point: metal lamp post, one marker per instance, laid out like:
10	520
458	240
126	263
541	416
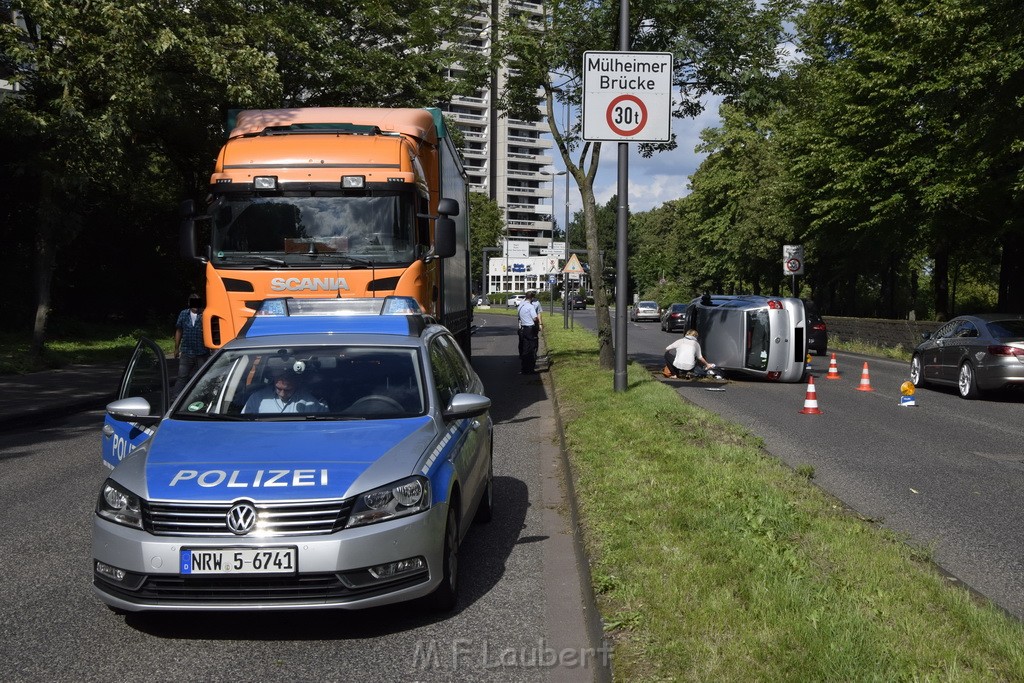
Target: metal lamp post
565	276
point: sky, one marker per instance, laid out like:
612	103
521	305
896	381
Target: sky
653	181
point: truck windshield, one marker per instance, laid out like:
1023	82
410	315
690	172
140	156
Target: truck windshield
302	231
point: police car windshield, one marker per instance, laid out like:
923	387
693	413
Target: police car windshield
329	382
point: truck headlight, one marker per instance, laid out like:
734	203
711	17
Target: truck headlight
119	505
405	497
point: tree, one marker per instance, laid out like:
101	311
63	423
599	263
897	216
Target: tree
914	143
722	46
119	98
657	250
486	226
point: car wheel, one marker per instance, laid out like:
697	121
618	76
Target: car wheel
915	371
966	383
446	595
485	511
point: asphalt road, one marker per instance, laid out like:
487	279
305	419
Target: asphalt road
520	615
948	474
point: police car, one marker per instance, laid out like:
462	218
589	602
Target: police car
332	456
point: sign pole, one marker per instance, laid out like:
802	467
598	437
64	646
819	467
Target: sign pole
627	97
621	262
793	263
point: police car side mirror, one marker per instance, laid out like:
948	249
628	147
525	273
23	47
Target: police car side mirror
466	405
134	409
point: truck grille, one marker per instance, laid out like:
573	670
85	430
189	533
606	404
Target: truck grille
275	519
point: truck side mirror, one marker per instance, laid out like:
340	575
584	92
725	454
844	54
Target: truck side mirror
187	242
444	237
448	207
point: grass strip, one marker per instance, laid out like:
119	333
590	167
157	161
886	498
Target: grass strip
85	344
712	560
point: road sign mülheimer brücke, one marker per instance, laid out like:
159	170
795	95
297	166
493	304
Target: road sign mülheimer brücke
627	96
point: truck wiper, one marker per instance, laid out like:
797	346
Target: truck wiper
333	255
258	257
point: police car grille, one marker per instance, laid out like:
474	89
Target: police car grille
275	519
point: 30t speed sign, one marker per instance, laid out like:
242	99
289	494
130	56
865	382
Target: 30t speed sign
793	259
627	96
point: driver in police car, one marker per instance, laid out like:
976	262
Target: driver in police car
284	395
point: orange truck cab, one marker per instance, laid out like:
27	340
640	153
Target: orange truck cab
334	203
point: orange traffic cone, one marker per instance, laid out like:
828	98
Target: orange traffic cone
865	379
811	402
833	369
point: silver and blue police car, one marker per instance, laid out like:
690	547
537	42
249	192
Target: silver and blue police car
332	456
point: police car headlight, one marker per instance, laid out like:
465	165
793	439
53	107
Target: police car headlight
405	497
119	506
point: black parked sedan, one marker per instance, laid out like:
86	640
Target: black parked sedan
817	332
974	353
673	318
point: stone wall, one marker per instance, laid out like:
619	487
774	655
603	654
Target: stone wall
880	332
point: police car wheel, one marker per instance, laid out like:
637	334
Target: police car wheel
446	595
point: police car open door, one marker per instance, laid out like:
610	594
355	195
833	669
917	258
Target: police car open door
144	385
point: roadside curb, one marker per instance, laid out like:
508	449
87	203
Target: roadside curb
592	616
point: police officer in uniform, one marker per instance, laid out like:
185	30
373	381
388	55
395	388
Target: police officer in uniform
529	335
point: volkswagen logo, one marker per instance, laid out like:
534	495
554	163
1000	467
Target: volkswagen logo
241	518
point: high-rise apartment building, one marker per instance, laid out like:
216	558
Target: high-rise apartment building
506	158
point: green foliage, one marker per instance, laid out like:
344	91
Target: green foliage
121	108
486	226
78	343
906	148
888	151
719	47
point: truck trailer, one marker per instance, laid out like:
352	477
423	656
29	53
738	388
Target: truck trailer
334	202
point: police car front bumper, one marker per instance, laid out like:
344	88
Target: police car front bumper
356	568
